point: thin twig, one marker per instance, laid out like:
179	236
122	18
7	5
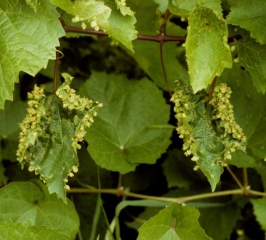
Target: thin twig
163	33
56	69
157	38
245	178
235	178
164	199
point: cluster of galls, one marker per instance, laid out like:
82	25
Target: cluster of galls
183	109
86	110
223	113
30	125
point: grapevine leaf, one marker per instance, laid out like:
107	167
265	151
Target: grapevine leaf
26	202
259	206
10	118
224	216
11	231
200	138
183	8
55	156
210	147
101	16
207	49
28	40
252	56
33	4
251	15
51	132
162	5
127	131
175	222
178	170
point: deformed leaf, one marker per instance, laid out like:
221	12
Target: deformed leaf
252	56
259	206
102	16
26	202
207	50
183	7
27	41
51	132
200	138
128	129
175	222
11	231
251	15
219	221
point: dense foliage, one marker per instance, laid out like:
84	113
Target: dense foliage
129	119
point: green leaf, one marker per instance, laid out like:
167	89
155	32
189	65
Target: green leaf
51	132
210	147
52	155
10	231
33	4
26	202
207	49
162	5
128	128
102	16
10	118
259	206
252	56
183	8
201	139
27	41
251	15
220	221
175	222
178	170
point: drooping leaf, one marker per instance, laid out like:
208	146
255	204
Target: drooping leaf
51	132
11	231
175	222
10	118
259	206
27	41
178	170
252	56
220	221
26	202
251	15
207	50
183	8
102	16
200	138
127	130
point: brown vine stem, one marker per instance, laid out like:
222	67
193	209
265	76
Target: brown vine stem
235	178
56	69
163	33
157	38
